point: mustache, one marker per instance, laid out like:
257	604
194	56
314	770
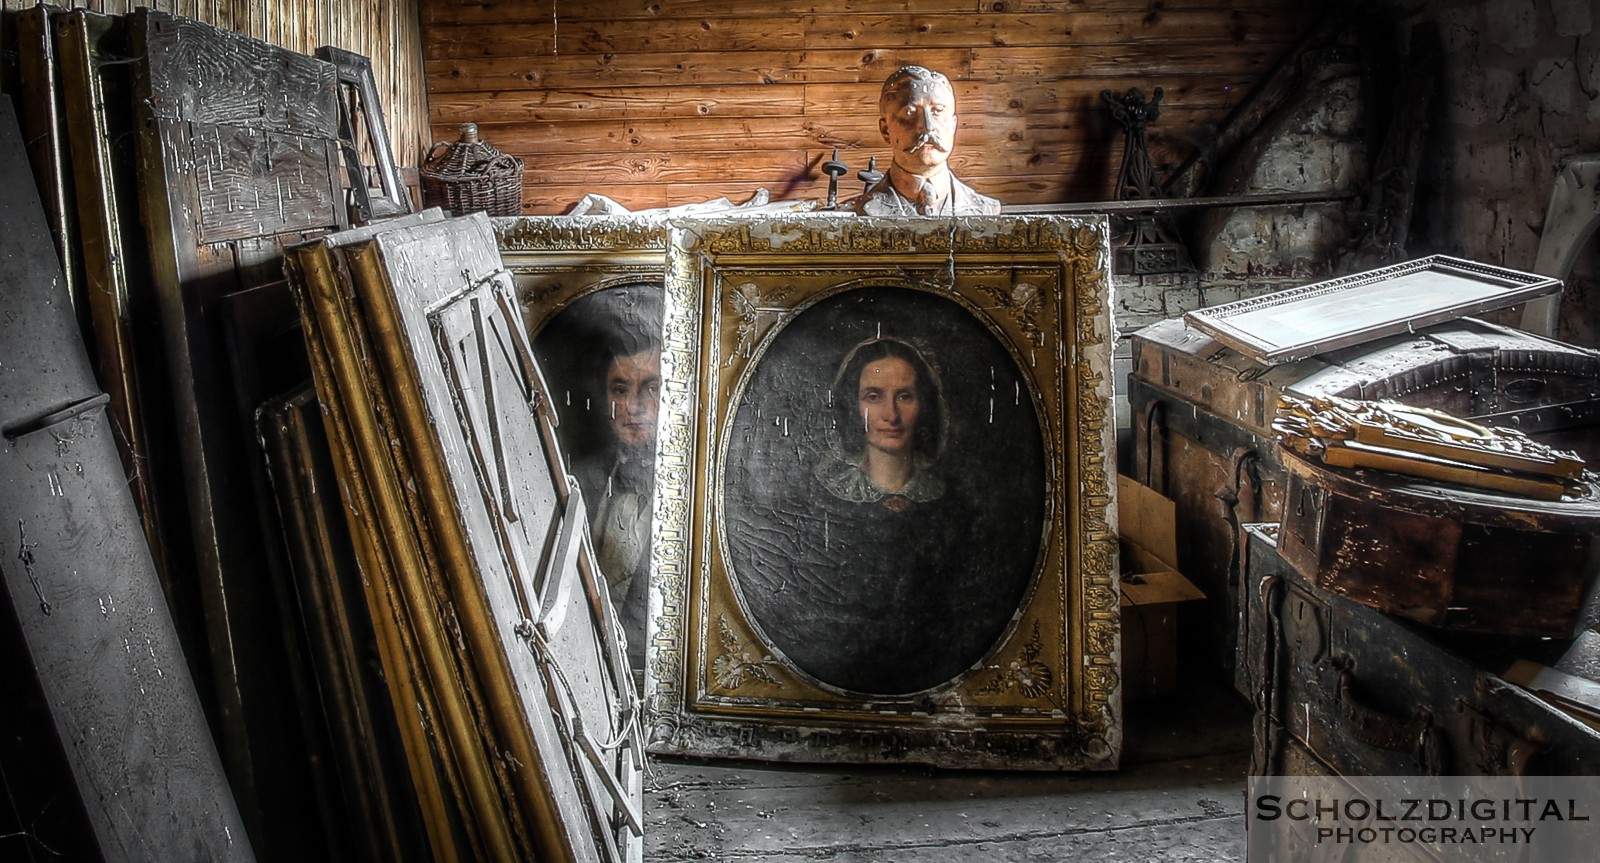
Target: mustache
928	139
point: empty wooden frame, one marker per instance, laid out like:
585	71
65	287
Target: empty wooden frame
376	190
1308	320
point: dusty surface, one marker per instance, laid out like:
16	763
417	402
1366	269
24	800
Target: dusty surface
1179	797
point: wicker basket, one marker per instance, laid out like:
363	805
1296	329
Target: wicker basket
469	176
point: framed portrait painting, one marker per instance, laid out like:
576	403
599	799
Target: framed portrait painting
884	523
589	289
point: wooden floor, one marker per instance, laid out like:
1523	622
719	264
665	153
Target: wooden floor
1178	797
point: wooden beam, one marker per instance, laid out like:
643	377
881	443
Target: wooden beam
621	102
1277	84
444	12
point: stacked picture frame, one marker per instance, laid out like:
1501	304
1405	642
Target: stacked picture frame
502	655
971	621
590	291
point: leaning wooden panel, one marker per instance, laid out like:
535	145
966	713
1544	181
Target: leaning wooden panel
885	529
78	583
237	154
525	595
119	297
590	290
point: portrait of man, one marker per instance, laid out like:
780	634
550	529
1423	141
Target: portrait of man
917	118
602	355
879	547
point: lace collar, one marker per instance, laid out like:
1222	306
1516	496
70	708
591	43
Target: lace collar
846	481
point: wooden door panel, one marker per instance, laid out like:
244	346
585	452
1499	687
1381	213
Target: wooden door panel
216	76
517	487
253	183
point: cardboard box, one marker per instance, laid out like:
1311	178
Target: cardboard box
1152	589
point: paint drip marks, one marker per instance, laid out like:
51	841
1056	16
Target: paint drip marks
25	555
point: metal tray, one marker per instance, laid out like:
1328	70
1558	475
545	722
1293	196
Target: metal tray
1308	320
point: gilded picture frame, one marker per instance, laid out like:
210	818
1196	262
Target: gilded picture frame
805	608
590	291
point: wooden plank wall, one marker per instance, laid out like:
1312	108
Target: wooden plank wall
387	31
659	102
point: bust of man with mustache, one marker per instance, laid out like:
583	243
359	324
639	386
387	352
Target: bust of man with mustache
917	116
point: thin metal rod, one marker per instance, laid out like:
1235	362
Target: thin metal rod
1152	205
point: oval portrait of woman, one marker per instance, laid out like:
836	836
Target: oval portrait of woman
883	493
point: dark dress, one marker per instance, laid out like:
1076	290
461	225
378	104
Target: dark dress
867	591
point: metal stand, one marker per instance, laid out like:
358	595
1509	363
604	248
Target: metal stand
834	169
1150	244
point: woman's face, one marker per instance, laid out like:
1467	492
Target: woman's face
888	404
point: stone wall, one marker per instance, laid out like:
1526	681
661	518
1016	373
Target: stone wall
1521	91
1316	142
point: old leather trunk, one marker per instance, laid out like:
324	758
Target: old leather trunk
1440	554
1202	414
1371	694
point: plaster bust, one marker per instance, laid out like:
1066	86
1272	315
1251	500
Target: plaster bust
917	117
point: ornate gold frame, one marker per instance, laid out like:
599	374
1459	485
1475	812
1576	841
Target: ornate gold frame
1040	285
556	260
557	264
328	587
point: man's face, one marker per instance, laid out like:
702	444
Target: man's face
633	393
919	122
